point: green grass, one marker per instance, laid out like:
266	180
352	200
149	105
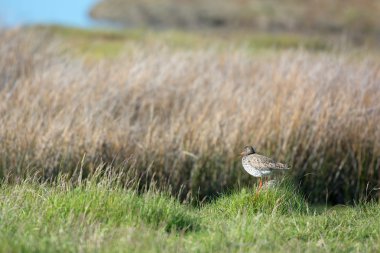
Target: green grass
100	44
283	199
104	217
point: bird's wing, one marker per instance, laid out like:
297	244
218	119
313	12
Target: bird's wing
265	163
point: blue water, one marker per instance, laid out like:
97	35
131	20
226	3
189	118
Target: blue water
62	12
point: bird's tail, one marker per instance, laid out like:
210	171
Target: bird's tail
282	166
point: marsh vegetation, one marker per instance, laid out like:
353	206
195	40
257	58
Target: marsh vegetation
129	140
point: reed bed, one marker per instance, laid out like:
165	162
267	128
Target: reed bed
180	118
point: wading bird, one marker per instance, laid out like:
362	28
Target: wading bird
259	165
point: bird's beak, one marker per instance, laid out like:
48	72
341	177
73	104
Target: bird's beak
242	154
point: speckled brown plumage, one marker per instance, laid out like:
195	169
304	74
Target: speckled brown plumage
259	165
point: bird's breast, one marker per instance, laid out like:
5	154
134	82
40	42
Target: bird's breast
251	169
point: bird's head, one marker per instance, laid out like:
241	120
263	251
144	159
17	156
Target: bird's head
248	150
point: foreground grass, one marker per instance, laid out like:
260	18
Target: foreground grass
105	218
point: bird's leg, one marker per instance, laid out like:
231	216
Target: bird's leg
267	179
259	188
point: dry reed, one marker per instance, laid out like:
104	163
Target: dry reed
183	117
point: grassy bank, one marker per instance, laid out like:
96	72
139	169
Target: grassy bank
182	116
101	216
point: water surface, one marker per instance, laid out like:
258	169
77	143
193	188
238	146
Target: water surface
61	12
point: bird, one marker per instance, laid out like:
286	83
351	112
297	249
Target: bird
258	165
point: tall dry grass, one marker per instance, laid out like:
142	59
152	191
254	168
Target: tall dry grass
183	117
